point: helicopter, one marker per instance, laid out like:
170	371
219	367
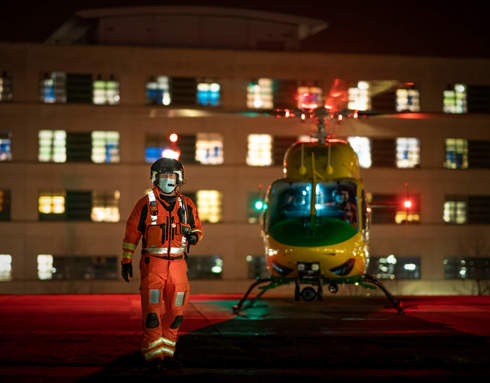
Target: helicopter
315	220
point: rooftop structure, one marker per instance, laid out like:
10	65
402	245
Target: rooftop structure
187	27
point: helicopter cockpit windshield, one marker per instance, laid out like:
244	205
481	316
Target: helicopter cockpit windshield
333	200
337	200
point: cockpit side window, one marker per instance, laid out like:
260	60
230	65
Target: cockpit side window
337	200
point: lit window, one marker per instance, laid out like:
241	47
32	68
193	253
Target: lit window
393	267
105	206
392	208
257	267
208	93
106	92
105	146
455	212
4	205
407	152
45	267
154	146
5	267
53	88
209	205
455	99
5	147
477	268
407	100
158	91
260	94
51	203
171	153
456	153
153	154
209	148
359	98
408	210
309	97
403	216
205	267
5	87
159	146
362	147
81	268
52	146
259	150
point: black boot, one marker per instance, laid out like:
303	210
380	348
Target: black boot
171	362
156	364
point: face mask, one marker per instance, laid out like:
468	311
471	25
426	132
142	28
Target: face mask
167	185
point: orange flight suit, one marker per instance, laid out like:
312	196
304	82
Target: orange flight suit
164	285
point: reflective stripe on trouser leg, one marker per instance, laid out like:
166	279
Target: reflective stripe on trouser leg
157	348
161	350
175	300
152	344
170	343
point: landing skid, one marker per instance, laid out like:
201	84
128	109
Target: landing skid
239	306
365	280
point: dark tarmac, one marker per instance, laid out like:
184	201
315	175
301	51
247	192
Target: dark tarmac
88	338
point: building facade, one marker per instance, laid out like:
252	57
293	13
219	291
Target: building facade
80	125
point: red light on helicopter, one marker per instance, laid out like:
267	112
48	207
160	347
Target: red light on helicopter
407	204
174	137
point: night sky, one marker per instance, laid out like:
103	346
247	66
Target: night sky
426	28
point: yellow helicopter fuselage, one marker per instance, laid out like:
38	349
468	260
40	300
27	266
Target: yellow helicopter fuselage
317	214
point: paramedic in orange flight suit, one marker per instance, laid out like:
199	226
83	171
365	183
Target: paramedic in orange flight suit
168	222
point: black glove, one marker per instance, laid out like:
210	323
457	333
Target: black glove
192	238
127	271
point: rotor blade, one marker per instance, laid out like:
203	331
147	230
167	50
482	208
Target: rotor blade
381	86
337	96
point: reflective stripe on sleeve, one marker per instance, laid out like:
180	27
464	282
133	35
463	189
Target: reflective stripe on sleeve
127	254
151	198
185	210
128	246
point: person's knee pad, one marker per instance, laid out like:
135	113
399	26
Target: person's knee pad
152	320
177	322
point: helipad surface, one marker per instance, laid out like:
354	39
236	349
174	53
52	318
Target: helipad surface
66	338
